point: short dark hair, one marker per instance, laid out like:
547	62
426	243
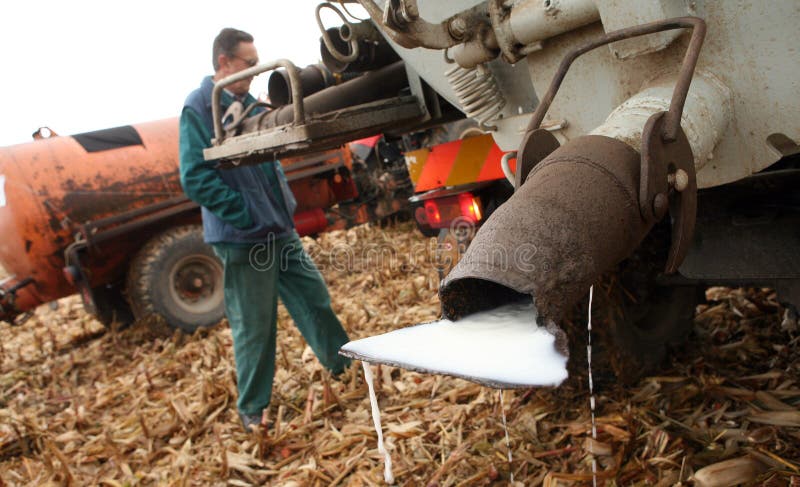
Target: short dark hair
226	42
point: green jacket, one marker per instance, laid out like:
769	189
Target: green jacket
246	204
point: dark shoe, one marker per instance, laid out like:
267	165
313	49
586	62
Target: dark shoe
249	421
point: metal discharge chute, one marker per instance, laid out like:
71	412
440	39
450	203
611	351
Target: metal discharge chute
581	208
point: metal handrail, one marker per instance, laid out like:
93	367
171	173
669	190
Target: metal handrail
673	120
294	85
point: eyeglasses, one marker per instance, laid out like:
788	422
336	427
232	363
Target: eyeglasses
249	62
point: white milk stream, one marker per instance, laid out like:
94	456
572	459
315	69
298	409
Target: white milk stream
591	391
508	440
376	418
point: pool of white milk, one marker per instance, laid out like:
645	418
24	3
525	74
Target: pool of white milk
501	348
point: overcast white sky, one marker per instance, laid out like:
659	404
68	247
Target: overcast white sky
82	65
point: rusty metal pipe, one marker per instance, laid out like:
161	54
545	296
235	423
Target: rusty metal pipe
575	216
91	227
376	85
536	20
8	297
313	78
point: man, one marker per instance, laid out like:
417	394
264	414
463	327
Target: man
247	218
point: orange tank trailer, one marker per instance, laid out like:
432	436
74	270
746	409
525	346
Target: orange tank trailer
54	186
100	196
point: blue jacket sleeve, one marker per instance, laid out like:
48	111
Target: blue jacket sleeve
201	181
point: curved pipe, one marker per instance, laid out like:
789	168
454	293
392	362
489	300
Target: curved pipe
533	21
313	78
575	217
704	120
375	85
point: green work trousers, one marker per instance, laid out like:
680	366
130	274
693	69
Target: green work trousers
255	276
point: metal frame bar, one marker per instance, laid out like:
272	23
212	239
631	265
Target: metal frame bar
311	161
305	173
294	84
131	214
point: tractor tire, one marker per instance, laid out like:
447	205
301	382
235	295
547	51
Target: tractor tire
647	316
450	247
641	337
632	330
638	316
111	308
176	276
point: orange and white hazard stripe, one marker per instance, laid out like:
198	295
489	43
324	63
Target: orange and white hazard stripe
455	163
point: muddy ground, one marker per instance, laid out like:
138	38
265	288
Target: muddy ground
82	405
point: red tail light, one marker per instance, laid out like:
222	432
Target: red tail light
470	207
432	213
441	212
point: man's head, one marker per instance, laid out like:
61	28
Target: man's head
234	51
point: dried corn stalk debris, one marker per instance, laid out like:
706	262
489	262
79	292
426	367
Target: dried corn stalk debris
81	405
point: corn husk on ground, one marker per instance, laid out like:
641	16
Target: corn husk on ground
81	405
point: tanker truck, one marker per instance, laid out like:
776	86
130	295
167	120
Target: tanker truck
655	147
103	214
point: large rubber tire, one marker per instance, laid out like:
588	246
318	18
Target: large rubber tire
646	330
646	316
638	315
425	229
177	277
111	307
632	330
451	244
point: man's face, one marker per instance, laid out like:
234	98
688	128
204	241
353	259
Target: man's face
246	56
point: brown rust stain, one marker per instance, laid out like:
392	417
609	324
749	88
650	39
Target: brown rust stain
85	202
